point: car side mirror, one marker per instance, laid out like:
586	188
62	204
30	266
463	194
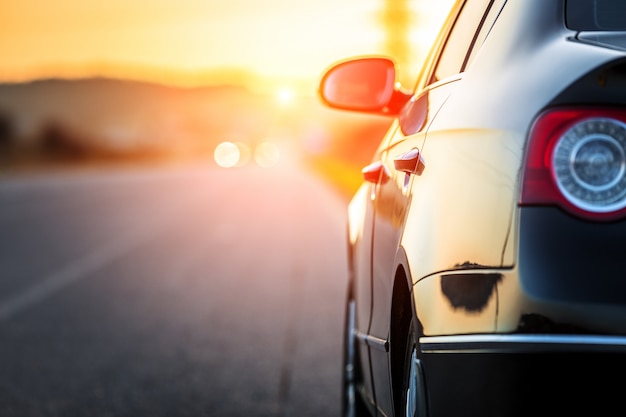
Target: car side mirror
361	84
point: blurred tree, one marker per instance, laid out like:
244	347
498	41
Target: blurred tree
56	140
7	142
6	130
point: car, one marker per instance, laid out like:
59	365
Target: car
487	242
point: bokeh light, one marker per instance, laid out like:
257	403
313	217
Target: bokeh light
226	154
266	154
245	153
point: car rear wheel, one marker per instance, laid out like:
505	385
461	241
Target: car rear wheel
413	386
352	404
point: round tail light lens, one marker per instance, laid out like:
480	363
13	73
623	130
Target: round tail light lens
576	159
589	163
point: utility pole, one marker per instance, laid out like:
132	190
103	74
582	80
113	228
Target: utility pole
396	20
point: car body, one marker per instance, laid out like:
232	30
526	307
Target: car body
487	244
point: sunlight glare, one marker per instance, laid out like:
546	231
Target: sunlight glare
285	96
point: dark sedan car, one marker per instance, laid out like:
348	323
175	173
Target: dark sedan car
487	244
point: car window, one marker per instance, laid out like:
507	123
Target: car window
429	63
490	19
463	36
594	15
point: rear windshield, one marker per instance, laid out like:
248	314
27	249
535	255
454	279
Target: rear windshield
593	15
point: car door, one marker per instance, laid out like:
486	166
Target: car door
468	24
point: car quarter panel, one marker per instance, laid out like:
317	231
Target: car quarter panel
462	214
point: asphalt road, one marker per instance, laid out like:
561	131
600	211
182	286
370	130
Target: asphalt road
172	291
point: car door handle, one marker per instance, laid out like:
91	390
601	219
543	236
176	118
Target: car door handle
410	162
376	171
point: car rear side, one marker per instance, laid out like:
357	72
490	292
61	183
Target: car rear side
488	244
529	151
540	318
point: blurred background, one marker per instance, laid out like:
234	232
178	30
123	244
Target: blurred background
173	201
144	80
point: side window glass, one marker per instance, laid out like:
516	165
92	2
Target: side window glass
461	39
490	20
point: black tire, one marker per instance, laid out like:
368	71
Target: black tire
413	394
351	401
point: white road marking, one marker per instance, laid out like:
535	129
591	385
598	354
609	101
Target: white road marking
85	266
75	271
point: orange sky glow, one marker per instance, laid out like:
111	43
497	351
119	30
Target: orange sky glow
194	42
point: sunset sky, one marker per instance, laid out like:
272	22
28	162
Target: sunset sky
195	41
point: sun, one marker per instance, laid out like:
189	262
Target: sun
285	96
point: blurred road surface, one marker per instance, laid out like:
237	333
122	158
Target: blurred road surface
180	291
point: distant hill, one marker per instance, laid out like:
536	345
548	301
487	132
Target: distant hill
119	117
119	114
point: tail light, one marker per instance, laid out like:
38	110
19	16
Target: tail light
576	159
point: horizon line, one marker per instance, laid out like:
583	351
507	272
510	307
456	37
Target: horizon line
182	78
